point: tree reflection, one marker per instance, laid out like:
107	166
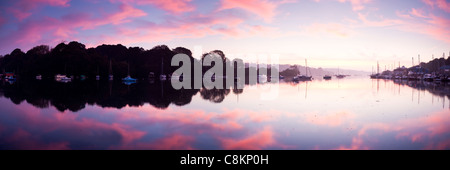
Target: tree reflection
441	89
214	95
76	95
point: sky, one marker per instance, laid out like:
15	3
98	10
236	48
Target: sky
351	34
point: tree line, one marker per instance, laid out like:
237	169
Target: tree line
75	59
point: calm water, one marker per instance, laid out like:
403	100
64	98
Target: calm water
350	113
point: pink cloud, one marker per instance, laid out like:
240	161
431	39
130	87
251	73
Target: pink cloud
22	9
425	130
31	4
126	12
439	28
88	128
441	4
357	5
333	120
25	140
186	27
259	140
50	29
418	13
172	6
444	5
172	142
333	29
53	30
62	3
2	21
196	122
441	25
382	22
128	136
263	8
195	26
175	142
19	14
357	144
67	126
427	24
403	15
252	116
441	145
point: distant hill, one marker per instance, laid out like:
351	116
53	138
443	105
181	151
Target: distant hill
347	72
319	71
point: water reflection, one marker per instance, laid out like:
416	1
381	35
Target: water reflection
356	113
214	95
76	95
440	89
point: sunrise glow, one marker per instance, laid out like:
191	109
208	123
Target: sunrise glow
352	34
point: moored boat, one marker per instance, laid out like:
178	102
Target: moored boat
129	79
428	77
62	78
303	77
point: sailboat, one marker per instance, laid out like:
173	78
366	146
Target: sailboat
10	77
110	77
339	76
373	75
162	76
128	80
97	77
327	77
63	78
303	77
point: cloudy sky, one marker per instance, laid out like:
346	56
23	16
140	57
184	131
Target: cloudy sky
352	34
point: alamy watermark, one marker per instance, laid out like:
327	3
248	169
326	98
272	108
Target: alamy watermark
223	73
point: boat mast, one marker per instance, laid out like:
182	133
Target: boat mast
306	68
419	59
162	66
378	67
110	67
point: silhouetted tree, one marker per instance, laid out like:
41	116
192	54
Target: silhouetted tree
39	50
182	50
214	95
